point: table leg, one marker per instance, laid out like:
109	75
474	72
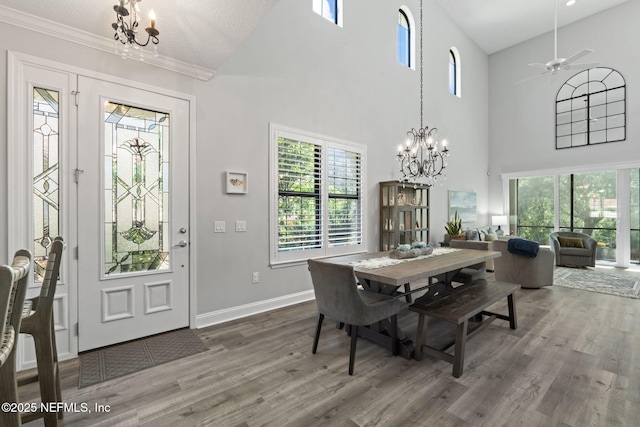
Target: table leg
461	342
513	321
417	351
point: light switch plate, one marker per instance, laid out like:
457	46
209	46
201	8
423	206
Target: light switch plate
219	227
241	225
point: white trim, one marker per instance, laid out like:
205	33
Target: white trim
238	312
570	170
55	29
16	117
294	257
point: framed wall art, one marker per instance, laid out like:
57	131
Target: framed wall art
237	182
464	202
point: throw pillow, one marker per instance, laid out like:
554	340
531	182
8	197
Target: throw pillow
490	237
571	242
472	234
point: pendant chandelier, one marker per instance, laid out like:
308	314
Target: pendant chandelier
422	158
126	30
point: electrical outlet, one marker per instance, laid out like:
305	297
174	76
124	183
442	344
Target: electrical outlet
255	277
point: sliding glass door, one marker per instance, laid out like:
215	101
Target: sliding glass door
602	204
532	208
588	205
634	202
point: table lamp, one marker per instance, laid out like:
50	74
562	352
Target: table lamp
499	220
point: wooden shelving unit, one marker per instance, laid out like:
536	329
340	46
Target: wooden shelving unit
404	214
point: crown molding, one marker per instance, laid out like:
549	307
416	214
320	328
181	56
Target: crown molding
50	28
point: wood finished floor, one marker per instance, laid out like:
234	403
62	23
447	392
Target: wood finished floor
573	361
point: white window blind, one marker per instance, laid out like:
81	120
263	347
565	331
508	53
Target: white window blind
317	196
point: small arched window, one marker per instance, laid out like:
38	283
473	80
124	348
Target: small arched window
329	9
404	39
454	72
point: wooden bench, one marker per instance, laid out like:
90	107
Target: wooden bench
458	306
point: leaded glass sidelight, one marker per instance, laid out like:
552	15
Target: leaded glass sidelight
46	191
136	190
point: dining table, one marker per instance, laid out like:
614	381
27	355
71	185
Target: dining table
430	274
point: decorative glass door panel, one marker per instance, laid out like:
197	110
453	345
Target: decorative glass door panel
133	214
46	193
136	189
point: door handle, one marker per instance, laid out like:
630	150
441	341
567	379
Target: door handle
181	244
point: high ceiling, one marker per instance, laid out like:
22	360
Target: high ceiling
497	24
205	32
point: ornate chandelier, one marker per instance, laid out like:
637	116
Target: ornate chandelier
421	157
126	30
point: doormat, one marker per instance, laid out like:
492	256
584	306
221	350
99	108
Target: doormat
594	280
122	359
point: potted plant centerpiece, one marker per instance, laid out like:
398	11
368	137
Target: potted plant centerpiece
454	229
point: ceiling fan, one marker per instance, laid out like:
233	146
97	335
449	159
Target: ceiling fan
556	64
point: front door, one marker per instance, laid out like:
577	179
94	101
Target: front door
133	212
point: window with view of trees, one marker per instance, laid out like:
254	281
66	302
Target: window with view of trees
586	203
533	204
317	196
634	200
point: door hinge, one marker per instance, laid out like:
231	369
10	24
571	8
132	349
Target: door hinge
76	174
75	253
75	329
76	93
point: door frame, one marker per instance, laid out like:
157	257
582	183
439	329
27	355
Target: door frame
19	184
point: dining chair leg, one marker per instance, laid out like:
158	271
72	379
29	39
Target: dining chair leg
56	370
46	376
352	353
317	337
9	391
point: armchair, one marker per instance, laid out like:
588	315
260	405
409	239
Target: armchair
524	271
573	249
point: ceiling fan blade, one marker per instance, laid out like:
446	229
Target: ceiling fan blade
581	66
578	55
538	65
531	78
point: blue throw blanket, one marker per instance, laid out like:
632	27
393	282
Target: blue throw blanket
524	247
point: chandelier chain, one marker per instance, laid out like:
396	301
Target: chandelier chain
424	156
421	68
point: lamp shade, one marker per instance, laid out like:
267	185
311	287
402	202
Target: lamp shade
499	220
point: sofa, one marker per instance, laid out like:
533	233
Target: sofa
481	245
525	271
573	249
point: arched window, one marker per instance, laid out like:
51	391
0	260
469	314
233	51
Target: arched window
591	109
404	39
454	72
329	9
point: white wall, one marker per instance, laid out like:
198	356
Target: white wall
299	70
522	119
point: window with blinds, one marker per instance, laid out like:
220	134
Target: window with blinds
317	198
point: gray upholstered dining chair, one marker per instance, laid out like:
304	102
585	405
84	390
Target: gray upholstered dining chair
338	297
15	278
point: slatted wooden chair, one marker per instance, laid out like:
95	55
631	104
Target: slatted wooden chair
14	280
38	322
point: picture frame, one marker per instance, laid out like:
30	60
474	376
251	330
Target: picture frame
464	202
237	182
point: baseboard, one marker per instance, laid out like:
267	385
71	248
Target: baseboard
227	314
